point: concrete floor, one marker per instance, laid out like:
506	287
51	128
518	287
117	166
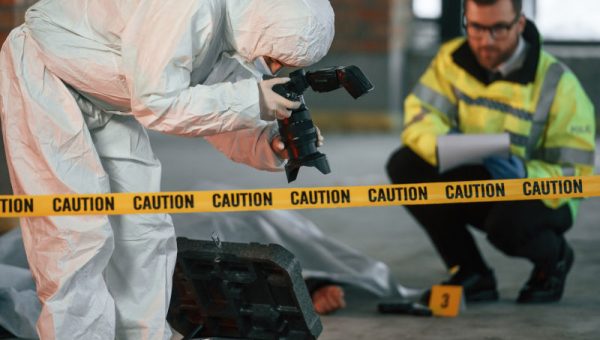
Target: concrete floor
389	234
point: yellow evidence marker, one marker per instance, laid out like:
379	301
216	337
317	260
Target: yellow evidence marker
445	300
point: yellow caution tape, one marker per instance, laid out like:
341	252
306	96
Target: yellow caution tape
299	198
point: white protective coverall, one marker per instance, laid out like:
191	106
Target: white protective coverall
79	83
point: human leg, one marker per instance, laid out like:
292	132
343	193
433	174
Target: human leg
139	275
49	151
530	230
445	224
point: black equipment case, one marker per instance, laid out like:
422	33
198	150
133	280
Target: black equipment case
239	290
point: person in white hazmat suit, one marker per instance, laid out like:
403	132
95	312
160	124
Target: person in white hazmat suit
80	82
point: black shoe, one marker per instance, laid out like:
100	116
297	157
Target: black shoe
477	287
547	285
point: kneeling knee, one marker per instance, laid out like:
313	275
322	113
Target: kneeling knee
405	166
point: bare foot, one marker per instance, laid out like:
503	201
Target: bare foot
328	299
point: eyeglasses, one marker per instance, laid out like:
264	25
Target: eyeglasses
497	32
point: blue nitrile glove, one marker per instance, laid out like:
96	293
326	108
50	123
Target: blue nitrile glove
505	168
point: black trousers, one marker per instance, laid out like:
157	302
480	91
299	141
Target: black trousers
526	229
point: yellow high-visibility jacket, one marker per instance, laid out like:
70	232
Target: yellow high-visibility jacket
541	106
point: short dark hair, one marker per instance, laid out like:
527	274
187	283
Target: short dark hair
517	4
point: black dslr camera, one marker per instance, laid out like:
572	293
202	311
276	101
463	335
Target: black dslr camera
298	132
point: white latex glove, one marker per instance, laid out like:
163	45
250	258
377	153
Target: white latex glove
320	138
272	105
279	148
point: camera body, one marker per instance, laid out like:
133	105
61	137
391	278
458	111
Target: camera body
298	132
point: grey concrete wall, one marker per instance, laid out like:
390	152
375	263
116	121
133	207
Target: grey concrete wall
359	41
374	66
378	110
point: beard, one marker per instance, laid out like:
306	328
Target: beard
490	56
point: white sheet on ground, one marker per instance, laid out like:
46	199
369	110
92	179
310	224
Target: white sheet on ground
320	257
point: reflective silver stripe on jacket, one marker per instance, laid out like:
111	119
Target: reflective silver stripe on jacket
437	101
564	155
518	139
494	105
542	111
419	117
568	170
